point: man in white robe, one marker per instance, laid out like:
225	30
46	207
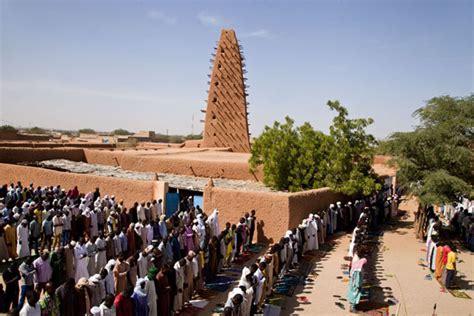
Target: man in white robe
109	279
260	282
315	230
100	257
91	248
23	247
80	260
143	263
150	290
311	234
179	267
159	208
213	222
94	224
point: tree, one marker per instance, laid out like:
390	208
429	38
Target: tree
37	130
87	131
300	158
436	161
121	131
7	128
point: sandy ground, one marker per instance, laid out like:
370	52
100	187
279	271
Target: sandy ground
397	274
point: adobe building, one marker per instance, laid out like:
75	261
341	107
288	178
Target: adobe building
213	171
226	123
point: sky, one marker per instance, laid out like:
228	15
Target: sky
143	65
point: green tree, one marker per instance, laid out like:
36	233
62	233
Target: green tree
121	131
87	131
5	128
350	158
300	158
37	130
436	161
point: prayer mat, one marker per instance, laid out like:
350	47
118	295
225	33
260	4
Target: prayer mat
220	283
345	272
257	248
389	275
345	280
459	294
302	299
218	310
271	310
236	270
285	289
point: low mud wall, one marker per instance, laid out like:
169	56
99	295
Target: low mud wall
128	190
271	210
18	155
313	201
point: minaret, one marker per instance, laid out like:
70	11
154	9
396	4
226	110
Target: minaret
226	123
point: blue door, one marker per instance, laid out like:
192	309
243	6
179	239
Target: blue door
172	203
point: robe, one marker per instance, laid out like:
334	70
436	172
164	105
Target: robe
439	265
178	299
3	249
315	231
260	282
163	294
91	253
69	261
131	241
120	276
23	248
80	263
94	226
151	292
100	257
311	235
189	238
10	239
140	302
143	266
189	280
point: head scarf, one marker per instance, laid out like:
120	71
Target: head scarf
358	265
152	272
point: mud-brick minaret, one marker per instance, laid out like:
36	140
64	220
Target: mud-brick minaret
226	123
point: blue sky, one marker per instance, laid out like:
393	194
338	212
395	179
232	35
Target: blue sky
143	65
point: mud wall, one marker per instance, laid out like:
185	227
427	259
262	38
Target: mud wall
127	190
313	201
271	210
17	155
164	164
276	212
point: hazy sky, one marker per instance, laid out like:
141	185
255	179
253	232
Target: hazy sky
143	65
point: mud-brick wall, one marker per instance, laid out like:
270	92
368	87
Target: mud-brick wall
163	164
127	190
22	154
313	201
271	210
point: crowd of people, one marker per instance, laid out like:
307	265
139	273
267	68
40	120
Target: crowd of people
444	228
84	254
